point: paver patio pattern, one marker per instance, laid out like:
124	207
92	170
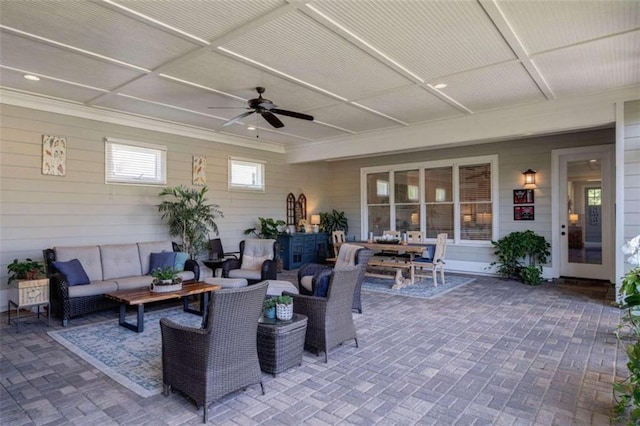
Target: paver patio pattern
491	352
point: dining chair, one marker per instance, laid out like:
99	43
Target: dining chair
337	238
435	263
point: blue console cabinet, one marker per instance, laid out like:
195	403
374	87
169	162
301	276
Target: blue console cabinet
298	249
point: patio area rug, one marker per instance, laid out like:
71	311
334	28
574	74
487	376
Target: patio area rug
423	289
132	359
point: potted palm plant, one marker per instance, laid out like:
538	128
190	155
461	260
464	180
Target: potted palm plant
190	217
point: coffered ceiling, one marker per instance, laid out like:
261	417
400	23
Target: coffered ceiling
356	66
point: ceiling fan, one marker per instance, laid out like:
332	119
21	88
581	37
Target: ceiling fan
267	109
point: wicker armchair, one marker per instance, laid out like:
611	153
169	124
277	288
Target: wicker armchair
319	275
330	321
208	363
250	266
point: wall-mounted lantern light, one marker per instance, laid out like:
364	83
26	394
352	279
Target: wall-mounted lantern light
529	177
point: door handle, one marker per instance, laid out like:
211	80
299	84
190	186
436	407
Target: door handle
563	233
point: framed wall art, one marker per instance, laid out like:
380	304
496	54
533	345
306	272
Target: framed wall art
199	170
523	196
54	155
523	213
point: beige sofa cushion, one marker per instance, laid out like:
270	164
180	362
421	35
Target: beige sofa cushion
128	283
145	250
93	289
120	260
89	257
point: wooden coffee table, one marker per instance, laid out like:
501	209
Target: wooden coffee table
138	297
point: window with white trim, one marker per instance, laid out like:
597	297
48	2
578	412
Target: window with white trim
135	163
246	174
456	197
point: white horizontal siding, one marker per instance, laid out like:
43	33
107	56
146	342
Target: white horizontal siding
38	211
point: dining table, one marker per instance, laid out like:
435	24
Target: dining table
397	263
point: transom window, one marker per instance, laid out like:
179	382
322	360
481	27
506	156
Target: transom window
246	174
455	197
135	163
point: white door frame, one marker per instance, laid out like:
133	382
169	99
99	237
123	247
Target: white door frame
608	229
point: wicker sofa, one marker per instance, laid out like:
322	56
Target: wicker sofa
109	268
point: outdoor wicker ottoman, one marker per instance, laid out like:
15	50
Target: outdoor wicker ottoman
280	343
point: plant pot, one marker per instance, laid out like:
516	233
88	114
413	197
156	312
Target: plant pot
270	312
284	312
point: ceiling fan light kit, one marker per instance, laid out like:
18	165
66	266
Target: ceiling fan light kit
266	109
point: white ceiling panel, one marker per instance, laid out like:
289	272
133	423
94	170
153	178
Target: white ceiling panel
545	25
210	20
15	80
89	26
430	38
28	55
149	109
411	104
263	135
320	57
298	130
169	92
601	65
352	118
493	87
237	78
302	48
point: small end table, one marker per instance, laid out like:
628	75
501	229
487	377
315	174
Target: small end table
31	293
281	343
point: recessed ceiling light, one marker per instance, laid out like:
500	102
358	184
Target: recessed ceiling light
251	127
32	77
593	161
440	86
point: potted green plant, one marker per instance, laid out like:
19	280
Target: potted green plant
29	277
25	270
190	217
269	228
333	221
284	307
269	308
521	256
165	275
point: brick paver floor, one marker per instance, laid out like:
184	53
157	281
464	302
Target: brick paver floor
488	353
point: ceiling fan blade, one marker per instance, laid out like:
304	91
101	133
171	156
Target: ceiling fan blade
227	107
292	114
272	119
237	118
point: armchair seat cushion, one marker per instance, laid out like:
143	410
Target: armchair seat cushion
276	287
249	274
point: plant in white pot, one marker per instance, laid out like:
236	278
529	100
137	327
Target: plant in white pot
165	279
284	307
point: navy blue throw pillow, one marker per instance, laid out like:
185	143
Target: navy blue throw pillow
162	260
74	272
322	286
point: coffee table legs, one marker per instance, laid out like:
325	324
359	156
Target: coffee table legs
139	327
